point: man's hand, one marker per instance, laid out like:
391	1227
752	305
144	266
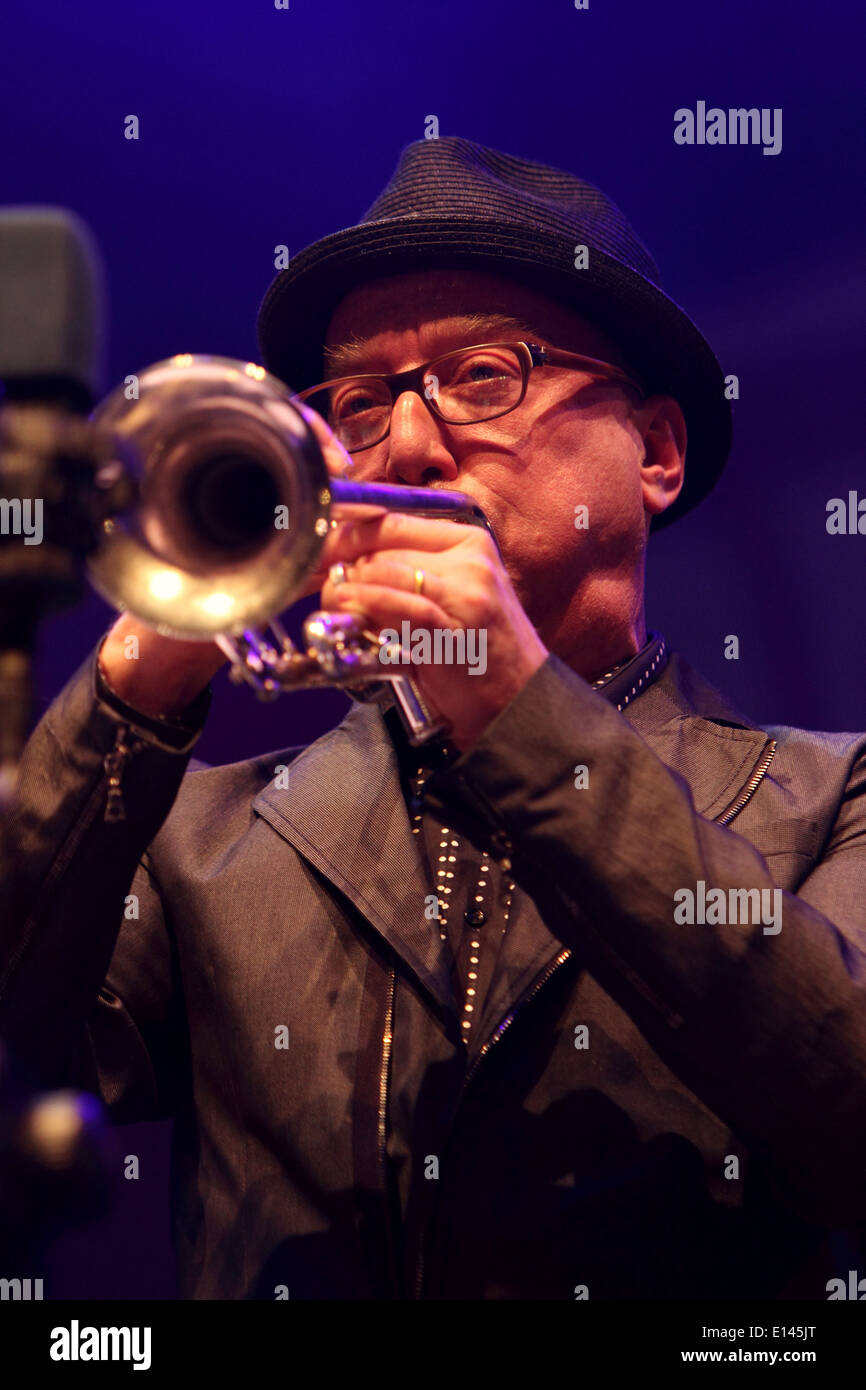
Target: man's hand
167	673
465	587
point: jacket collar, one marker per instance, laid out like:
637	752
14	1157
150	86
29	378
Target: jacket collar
344	802
697	733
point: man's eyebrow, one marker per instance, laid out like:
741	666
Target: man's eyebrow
460	331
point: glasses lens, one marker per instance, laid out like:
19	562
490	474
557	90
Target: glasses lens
476	384
358	411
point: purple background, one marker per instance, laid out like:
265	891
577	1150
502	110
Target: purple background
261	127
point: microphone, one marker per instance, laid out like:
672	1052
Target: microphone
52	296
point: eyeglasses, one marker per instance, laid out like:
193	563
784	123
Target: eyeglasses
465	387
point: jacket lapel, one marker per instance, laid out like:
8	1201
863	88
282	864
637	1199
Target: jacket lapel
693	729
344	811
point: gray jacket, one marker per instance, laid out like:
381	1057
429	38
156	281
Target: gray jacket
701	1144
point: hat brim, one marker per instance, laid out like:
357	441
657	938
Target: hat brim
654	334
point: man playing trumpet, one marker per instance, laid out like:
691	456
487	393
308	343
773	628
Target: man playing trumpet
426	1019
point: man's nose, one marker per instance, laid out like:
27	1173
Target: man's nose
418	451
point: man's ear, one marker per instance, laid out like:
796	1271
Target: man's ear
663	427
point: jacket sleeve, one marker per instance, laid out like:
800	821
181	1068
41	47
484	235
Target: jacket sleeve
89	992
769	1030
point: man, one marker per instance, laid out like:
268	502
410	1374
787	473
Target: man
569	1006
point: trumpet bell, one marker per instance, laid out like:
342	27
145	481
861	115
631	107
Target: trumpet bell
231	501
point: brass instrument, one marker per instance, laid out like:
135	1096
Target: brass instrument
232	503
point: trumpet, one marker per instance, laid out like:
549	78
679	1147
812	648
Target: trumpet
229	505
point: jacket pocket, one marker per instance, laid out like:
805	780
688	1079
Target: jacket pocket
789	846
791	836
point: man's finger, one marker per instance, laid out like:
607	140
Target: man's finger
391	531
397	570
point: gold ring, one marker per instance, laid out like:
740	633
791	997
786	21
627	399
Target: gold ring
419	581
337	573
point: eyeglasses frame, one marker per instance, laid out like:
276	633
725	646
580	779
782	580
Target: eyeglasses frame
530	355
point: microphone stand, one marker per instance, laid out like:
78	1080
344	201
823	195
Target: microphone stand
59	466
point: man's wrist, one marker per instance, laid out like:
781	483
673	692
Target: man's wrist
177	729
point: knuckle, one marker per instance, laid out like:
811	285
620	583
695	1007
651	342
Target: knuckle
479	606
483	574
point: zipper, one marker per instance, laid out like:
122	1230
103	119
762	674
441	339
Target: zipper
502	1027
384	1082
125	747
749	789
384	1074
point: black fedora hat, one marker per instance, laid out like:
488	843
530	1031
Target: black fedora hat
454	203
